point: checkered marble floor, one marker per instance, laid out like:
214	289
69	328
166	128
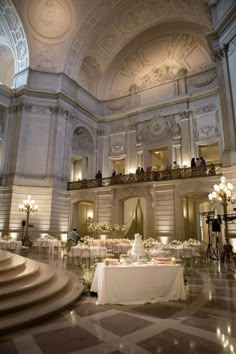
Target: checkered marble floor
205	323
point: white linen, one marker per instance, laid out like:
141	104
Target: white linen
11	245
48	244
138	284
88	252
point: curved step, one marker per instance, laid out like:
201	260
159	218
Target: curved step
42	310
14	263
32	281
5	257
36	296
30	267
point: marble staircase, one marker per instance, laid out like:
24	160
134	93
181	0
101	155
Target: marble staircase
30	290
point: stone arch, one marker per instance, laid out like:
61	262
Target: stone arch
81	209
82	153
13	38
90	74
7	61
161	53
82	139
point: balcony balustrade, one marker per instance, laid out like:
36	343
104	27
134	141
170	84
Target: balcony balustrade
153	176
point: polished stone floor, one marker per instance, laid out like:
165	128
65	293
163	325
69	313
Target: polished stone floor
204	324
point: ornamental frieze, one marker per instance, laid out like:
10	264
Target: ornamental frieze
60	110
20	107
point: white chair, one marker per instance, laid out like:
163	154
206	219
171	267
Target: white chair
187	256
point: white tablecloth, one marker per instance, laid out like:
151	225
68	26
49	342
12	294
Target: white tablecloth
49	244
11	245
138	284
88	252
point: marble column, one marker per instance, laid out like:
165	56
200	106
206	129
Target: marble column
131	161
187	138
222	65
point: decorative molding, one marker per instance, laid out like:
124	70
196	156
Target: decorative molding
157	128
162	73
218	54
207	132
205	109
117	144
114	130
60	110
198	83
232	46
20	107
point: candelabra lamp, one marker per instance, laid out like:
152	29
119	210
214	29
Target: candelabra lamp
223	194
28	207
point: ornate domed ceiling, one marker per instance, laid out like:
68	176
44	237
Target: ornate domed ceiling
112	46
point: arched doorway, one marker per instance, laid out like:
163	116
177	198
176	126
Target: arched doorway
82	212
195	204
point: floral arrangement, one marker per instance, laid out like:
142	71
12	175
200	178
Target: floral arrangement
192	241
175	243
6	237
47	237
150	243
87	277
88	240
96	227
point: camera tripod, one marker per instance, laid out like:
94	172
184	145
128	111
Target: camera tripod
213	251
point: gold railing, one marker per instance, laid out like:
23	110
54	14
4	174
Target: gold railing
153	176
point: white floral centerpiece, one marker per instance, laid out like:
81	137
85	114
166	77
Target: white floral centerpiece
94	227
49	237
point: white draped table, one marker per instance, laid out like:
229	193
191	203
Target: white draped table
10	245
88	252
138	284
48	244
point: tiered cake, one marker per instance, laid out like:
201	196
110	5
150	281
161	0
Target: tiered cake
138	247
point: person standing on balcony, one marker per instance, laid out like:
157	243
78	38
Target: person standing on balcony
193	165
98	177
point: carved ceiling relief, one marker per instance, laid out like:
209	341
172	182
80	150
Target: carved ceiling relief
49	18
160	61
126	22
163	73
143	15
82	140
47	57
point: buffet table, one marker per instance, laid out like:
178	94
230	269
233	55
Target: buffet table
138	284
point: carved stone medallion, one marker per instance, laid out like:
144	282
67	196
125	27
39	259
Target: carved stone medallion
49	18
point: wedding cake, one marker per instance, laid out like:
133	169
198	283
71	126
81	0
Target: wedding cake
138	247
